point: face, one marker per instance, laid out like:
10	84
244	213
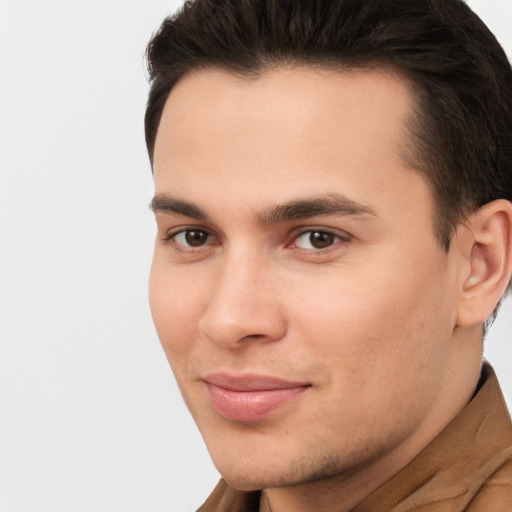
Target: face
297	286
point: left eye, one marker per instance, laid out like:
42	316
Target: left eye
316	240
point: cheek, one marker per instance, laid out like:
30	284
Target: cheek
380	340
175	303
373	321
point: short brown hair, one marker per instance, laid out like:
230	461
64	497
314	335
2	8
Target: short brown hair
462	130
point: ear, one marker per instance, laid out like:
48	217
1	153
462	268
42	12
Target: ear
486	245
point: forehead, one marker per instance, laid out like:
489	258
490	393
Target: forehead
303	130
291	98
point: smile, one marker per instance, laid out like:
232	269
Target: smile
250	398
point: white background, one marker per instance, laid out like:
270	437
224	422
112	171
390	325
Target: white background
90	417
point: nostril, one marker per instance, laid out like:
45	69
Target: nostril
254	337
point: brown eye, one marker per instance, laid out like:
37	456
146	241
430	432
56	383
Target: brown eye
316	240
192	238
321	240
196	238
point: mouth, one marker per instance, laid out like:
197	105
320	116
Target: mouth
250	398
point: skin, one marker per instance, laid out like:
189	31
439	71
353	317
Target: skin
371	322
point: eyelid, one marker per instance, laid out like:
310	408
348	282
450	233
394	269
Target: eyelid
170	235
343	236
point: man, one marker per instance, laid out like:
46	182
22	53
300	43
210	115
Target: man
333	183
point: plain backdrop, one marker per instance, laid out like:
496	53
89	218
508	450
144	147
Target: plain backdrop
90	416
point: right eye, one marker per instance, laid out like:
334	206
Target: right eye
189	238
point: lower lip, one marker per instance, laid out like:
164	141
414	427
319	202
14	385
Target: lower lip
250	405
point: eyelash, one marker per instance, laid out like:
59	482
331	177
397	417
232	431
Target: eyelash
170	239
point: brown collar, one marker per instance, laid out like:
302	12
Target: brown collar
468	467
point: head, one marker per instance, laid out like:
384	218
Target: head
333	181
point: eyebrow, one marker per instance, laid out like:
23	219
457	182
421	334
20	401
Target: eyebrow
331	204
162	203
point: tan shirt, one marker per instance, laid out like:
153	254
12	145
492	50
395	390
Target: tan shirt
466	468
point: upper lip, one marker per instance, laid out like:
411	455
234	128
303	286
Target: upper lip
251	382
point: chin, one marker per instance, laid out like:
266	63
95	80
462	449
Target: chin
247	479
249	473
250	470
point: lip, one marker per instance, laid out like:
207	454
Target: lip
250	397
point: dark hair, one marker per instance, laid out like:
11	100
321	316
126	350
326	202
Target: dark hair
462	80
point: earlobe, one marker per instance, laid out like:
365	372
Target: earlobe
488	251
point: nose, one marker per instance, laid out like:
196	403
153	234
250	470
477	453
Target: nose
244	305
